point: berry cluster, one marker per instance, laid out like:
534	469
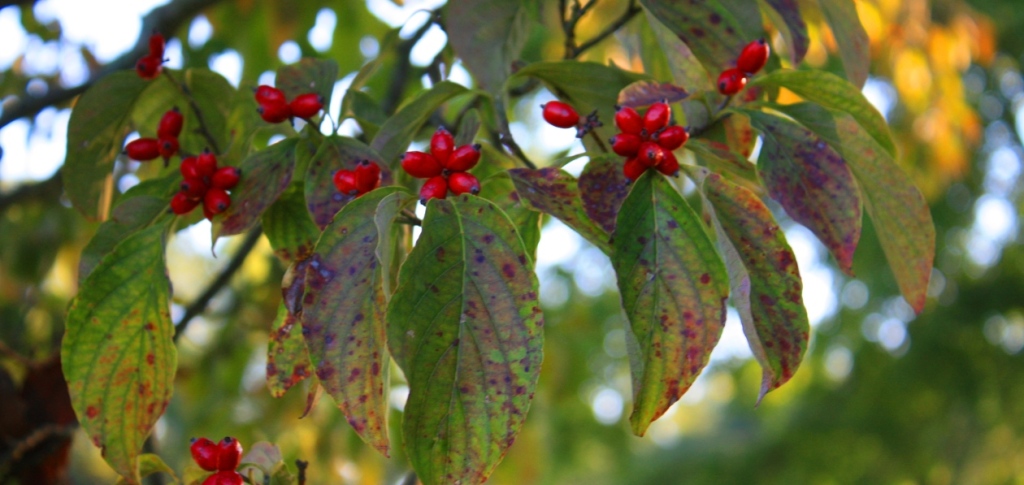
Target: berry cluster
205	183
648	141
751	59
444	167
363	179
275	108
222	457
148	67
164	145
562	115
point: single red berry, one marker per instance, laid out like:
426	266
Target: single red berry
226	178
625	144
156	45
633	169
421	165
657	117
189	168
230	449
168	147
433	188
753	57
206	163
224	477
651	154
367	176
628	120
217	201
204	451
731	81
672	137
148	67
275	112
170	124
464	158
143	149
670	165
307	105
442	143
462	182
207	213
560	114
181	203
345	182
194	188
269	95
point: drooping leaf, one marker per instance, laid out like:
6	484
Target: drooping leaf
812	182
764	280
399	130
553	191
288	226
287	358
710	30
645	93
150	464
833	92
488	35
897	208
265	176
791	24
466	328
343	318
686	68
851	39
96	132
673	287
309	75
336	153
118	355
603	187
390	252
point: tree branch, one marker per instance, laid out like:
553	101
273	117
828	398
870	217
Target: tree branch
401	75
49	189
630	12
20	3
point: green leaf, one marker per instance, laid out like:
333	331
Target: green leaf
553	191
390	251
720	159
897	208
468	128
336	153
646	93
215	96
287	358
343	317
309	75
367	112
673	287
603	187
764	280
832	92
466	328
96	131
150	464
791	24
710	30
500	190
686	68
398	131
362	77
265	176
812	182
852	40
488	36
288	226
118	355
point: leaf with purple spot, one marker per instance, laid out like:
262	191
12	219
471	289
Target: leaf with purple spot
553	191
287	358
646	93
603	187
336	153
791	24
265	176
709	29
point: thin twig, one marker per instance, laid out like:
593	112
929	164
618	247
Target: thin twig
302	465
401	75
35	439
628	15
203	129
505	136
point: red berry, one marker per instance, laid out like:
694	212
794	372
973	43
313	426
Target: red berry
633	169
226	178
628	120
463	158
345	182
269	95
307	105
433	188
672	137
626	144
560	114
181	203
462	182
206	163
421	165
275	112
731	81
189	168
657	117
230	449
441	146
143	149
367	176
204	451
207	213
170	124
148	67
194	187
224	477
217	201
753	57
168	147
156	45
651	154
670	165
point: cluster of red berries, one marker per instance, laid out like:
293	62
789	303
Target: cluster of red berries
164	145
648	141
204	182
275	108
363	179
222	457
751	59
445	167
148	67
562	115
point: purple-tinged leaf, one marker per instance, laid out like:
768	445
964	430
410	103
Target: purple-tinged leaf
336	152
673	287
710	30
399	130
851	39
792	26
265	176
719	158
646	93
812	182
293	285
390	237
288	226
287	358
488	35
686	69
500	190
466	328
603	187
309	75
553	191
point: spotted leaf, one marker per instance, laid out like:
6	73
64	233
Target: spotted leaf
265	176
287	358
553	191
336	152
603	187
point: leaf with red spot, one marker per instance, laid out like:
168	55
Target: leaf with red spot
786	17
287	358
851	39
673	286
764	279
399	130
343	317
265	176
336	153
309	75
118	355
288	226
466	328
603	187
646	93
553	191
709	29
812	182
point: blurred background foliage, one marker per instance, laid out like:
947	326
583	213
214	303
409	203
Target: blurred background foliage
883	396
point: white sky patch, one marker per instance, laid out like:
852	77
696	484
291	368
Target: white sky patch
229	65
12	37
607	405
394	15
107	30
321	36
37	156
172	54
818	279
429	46
459	75
733	344
289	52
199	32
880	94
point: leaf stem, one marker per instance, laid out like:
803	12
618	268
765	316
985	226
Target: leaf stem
203	128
